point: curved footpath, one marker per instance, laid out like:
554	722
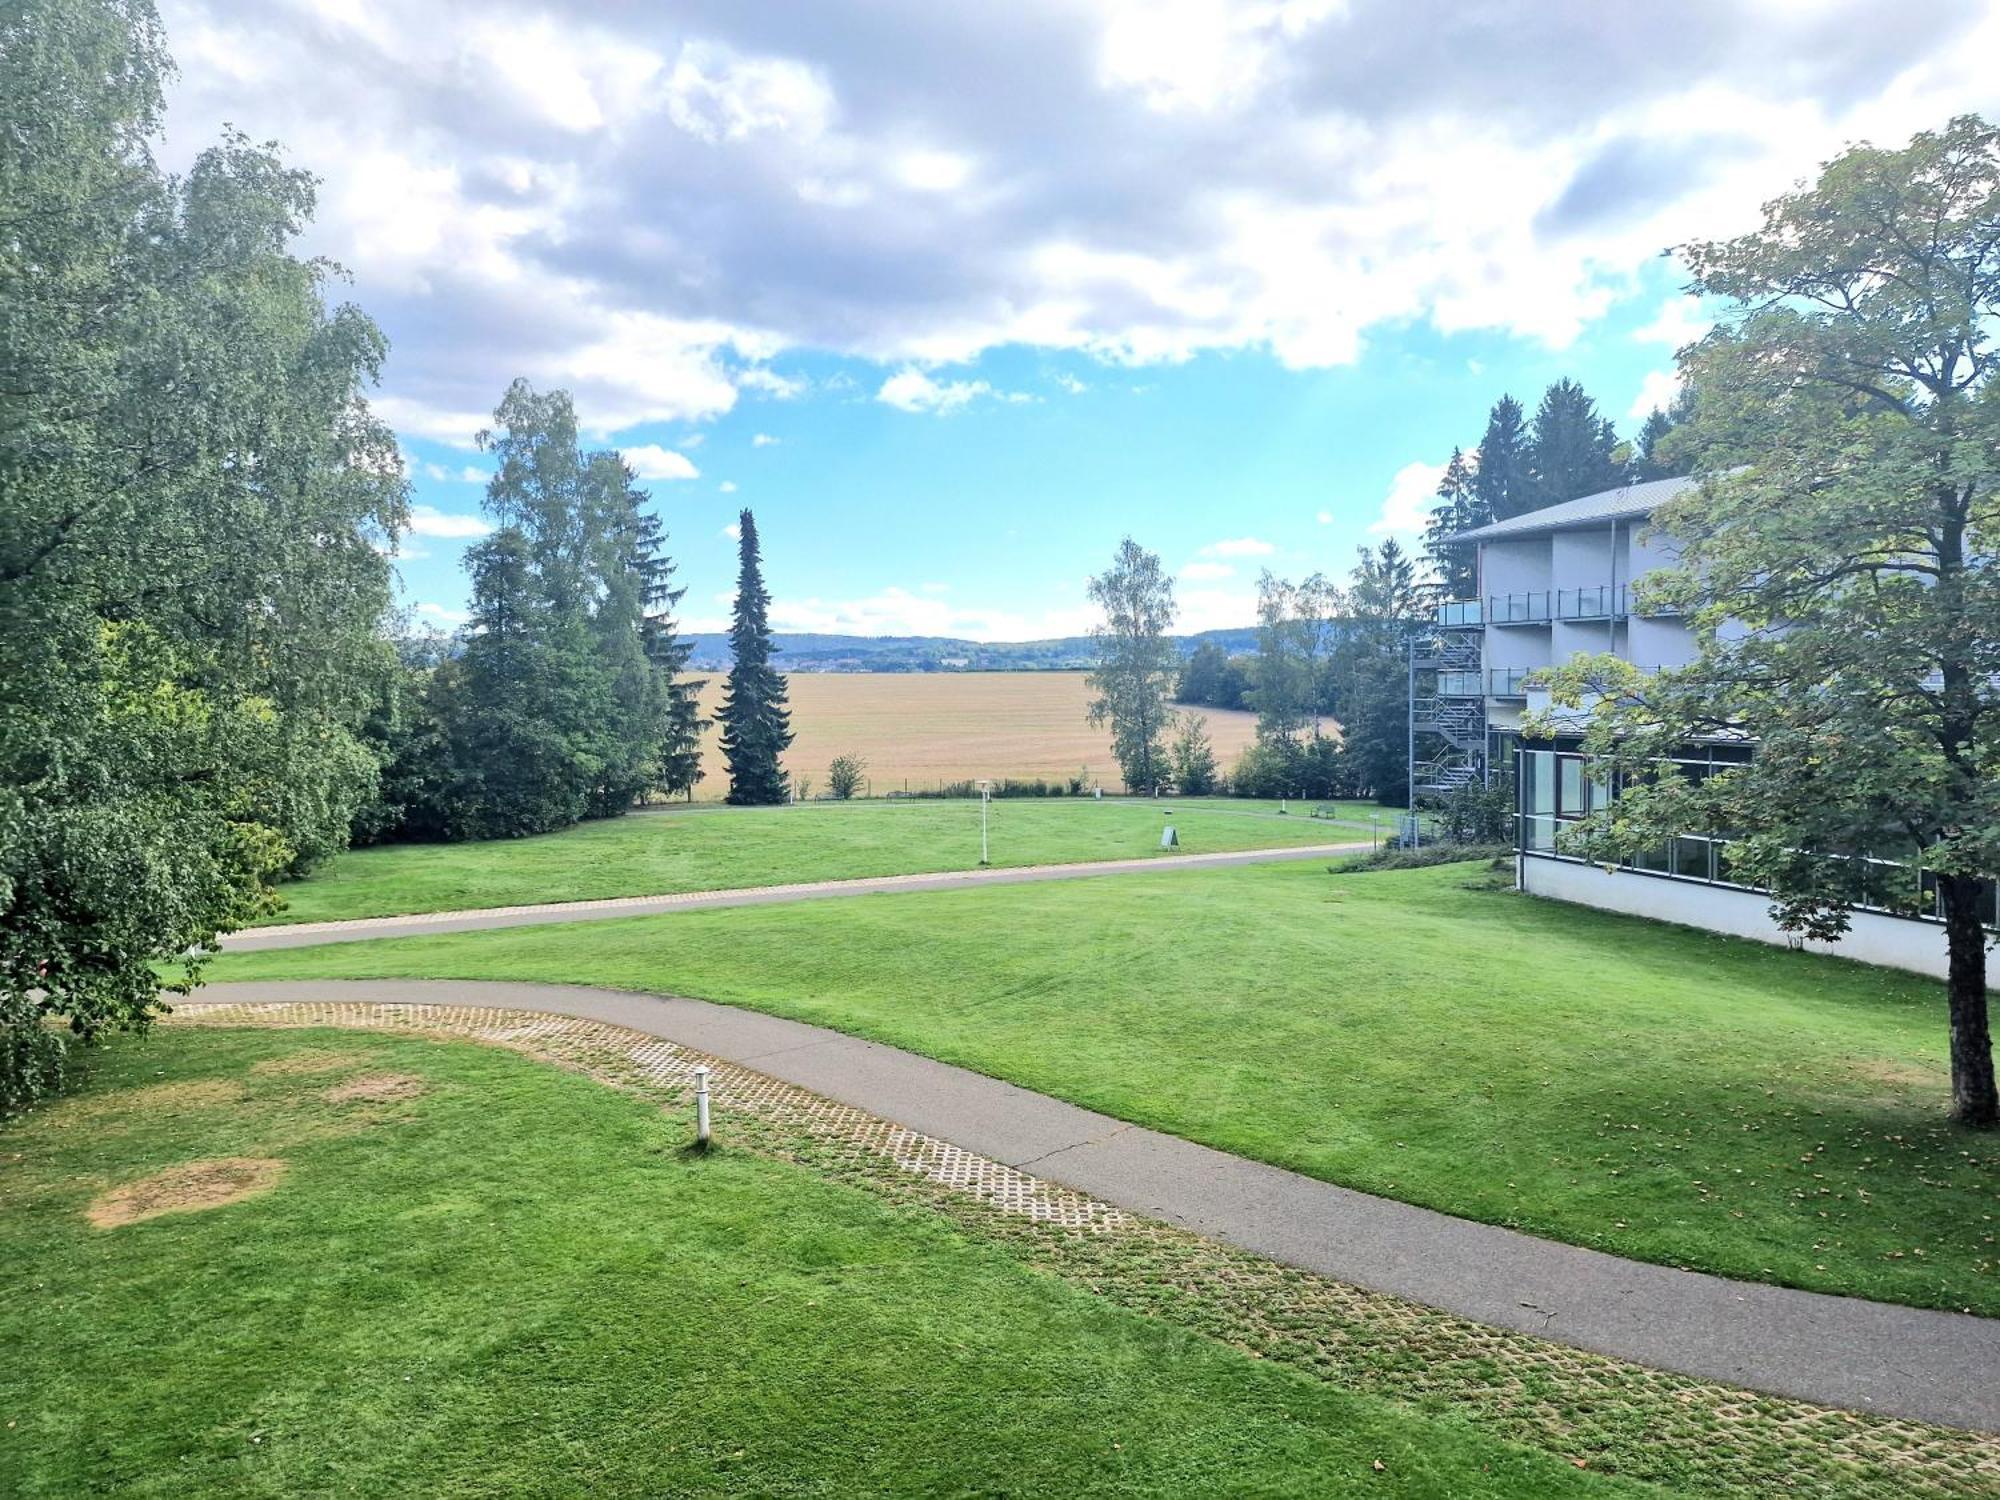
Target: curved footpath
304	934
1935	1367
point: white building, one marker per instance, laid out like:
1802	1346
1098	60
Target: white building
1552	583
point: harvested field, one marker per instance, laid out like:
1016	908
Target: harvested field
920	729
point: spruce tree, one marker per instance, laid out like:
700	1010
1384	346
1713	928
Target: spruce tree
1571	448
1459	509
1502	484
756	728
677	753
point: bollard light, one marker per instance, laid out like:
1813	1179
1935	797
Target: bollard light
701	1107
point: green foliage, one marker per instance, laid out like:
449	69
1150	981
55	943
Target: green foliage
1297	628
1503	485
1477	813
844	775
1459	509
756	725
196	498
1370	671
1393	857
1572	450
1136	662
1311	769
1192	758
1841	560
1212	678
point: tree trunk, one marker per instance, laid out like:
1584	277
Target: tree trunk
1973	1100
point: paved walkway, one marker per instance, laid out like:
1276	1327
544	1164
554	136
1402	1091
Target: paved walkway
305	934
1835	1351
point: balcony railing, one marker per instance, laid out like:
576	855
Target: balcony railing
1461	685
1520	609
1459	614
1604	602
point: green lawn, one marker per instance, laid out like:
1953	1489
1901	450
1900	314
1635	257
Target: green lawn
710	849
1665	1094
515	1283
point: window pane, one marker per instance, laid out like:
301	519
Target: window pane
1691	858
1571	787
1539	795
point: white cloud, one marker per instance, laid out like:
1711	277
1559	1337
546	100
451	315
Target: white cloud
763	440
733	531
428	520
719	95
1658	389
900	611
728	486
441	612
1325	518
912	390
651	461
1239	546
648	205
1201	570
1406	509
933	171
1213	609
1070	384
936	588
1679	321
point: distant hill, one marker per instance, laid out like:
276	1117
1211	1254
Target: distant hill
936	653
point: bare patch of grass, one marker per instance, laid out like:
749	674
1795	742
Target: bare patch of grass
187	1188
376	1088
153	1101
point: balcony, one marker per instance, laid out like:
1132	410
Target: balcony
1604	602
1520	609
1459	614
1461	685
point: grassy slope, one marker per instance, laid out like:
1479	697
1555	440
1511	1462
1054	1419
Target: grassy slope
718	849
1662	1093
517	1284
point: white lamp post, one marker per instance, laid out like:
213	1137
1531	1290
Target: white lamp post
985	796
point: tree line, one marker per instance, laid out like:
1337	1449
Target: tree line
1566	450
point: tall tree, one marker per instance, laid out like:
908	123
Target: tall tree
1296	629
1648	461
1571	448
1212	678
1841	564
756	726
1459	508
194	497
1386	604
1136	661
1502	483
677	763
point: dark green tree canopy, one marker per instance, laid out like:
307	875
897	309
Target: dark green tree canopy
756	722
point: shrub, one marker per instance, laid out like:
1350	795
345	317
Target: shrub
1477	813
33	1057
1392	858
843	777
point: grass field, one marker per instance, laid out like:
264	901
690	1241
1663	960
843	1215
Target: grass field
699	849
927	728
1661	1093
512	1281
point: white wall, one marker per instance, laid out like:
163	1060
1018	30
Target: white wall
1899	942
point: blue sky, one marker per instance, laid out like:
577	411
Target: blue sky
954	297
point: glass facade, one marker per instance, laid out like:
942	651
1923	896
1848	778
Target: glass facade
1560	786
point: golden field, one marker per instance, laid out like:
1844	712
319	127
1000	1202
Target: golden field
922	728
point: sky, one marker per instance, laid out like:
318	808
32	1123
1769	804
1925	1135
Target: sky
955	297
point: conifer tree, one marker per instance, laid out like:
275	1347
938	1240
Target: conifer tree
1570	447
1459	509
677	763
1502	484
756	727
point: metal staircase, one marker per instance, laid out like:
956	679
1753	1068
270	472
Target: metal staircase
1448	703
